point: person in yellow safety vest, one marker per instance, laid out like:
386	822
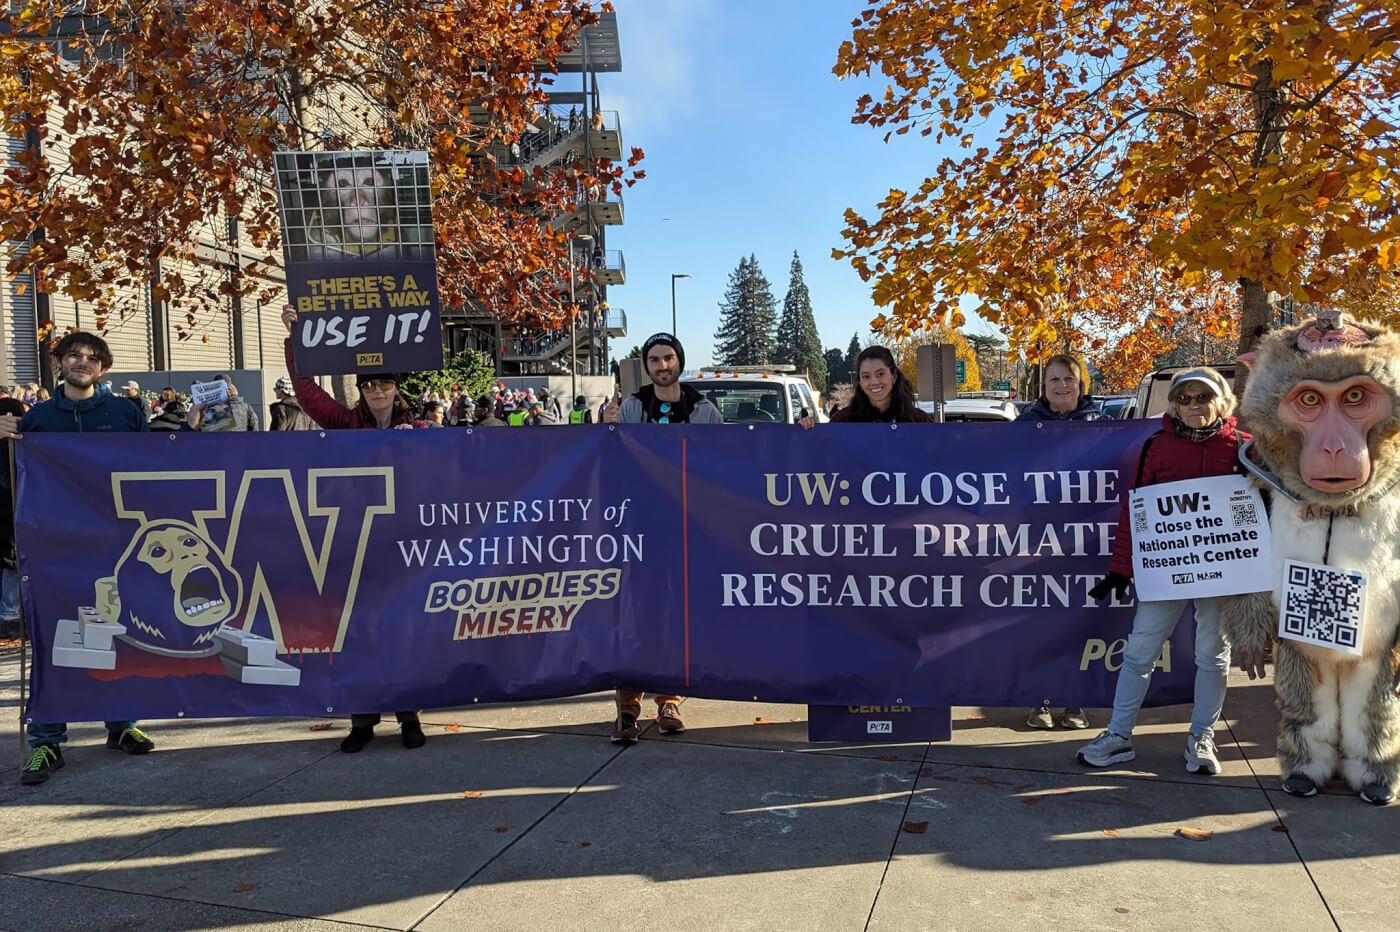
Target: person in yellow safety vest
517	417
580	414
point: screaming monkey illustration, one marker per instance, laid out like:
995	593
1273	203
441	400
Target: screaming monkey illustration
172	589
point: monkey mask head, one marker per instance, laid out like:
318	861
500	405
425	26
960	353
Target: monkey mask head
1323	403
172	589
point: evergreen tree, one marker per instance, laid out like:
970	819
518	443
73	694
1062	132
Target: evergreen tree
798	342
836	372
852	354
749	316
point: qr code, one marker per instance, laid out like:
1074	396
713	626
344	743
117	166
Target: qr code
1244	514
1322	605
1140	520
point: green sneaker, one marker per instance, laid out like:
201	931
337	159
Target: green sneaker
43	760
132	740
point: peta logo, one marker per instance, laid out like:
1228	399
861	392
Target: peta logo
1181	579
1110	653
879	728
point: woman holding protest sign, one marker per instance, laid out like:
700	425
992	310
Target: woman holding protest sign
882	394
1198	439
379	406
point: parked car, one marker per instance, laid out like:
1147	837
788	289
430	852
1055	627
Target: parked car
974	409
757	394
1118	407
1152	390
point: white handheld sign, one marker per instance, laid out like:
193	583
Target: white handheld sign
209	393
1200	538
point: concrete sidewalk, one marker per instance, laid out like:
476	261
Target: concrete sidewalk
526	817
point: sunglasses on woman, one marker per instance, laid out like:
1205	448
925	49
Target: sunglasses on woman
1200	398
378	385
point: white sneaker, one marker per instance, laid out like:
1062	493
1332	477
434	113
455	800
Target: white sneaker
1106	750
1200	755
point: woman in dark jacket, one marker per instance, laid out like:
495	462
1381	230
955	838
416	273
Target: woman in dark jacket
1063	397
882	394
1198	439
380	406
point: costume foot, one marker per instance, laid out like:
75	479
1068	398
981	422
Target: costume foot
1298	784
1377	794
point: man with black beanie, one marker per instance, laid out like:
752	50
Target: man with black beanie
664	401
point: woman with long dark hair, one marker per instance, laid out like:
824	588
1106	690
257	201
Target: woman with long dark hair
881	394
380	406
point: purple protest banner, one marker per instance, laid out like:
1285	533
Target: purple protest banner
307	573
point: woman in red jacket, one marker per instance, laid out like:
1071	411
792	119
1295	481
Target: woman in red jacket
380	405
1198	439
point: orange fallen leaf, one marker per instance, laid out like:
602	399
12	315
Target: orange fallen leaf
1112	832
915	828
244	888
1280	828
501	829
473	794
764	721
323	726
1031	800
451	727
585	844
1194	834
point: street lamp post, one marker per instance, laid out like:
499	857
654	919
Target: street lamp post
573	319
674	276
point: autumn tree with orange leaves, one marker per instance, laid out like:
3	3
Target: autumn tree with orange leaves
1125	164
170	113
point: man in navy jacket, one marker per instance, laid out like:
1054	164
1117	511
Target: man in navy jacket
80	404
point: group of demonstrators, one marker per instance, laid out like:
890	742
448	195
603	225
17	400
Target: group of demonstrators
1198	438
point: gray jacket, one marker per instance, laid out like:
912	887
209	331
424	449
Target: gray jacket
704	412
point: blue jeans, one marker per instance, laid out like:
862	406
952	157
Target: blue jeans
1152	626
9	593
57	732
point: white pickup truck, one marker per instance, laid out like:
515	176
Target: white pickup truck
757	394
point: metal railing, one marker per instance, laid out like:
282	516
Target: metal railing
556	127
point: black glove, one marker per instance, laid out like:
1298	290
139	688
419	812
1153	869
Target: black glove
1116	583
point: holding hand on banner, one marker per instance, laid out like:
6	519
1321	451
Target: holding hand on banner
1116	583
9	427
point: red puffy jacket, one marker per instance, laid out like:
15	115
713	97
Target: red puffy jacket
325	410
1168	458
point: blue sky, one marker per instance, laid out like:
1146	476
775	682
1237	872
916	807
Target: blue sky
749	149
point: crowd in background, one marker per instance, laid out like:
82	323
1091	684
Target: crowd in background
170	410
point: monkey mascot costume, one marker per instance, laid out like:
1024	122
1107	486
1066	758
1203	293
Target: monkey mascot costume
1323	403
